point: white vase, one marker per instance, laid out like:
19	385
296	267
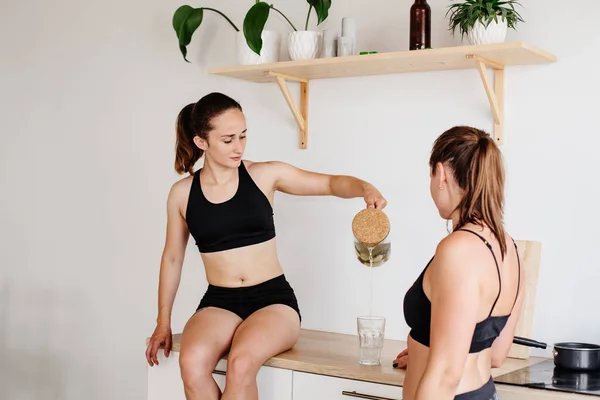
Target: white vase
495	32
269	52
304	45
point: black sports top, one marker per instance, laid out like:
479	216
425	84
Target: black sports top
243	220
417	311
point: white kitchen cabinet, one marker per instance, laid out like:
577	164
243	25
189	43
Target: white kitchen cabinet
321	387
164	381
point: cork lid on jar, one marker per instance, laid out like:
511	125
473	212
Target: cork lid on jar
370	226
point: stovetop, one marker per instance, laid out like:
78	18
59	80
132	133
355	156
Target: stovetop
546	375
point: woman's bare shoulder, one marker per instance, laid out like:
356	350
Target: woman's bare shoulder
180	190
261	169
258	166
458	253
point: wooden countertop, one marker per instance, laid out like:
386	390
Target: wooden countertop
336	354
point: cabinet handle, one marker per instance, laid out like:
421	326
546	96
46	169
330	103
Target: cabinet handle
364	396
217	372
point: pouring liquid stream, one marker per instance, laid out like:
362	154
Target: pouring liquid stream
370	280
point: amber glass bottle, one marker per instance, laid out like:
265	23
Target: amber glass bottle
420	25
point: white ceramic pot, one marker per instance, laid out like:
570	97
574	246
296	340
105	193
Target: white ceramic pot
269	53
494	33
304	45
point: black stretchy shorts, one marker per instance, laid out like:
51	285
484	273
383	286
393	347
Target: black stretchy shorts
486	392
244	301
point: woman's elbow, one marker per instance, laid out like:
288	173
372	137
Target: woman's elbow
172	258
498	361
498	356
500	349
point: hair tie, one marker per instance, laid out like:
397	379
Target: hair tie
483	142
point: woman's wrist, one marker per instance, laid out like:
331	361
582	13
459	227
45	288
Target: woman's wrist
164	319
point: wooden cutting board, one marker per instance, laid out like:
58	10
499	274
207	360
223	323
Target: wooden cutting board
530	254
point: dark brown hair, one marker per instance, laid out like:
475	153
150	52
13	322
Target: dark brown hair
195	120
477	166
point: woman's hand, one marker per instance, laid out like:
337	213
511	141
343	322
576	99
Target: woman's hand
161	336
373	198
402	360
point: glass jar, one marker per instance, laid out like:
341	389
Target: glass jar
371	230
378	254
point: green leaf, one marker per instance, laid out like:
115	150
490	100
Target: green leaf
186	20
254	23
321	8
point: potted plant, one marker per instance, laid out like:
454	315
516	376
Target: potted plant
255	36
302	45
307	44
484	21
255	45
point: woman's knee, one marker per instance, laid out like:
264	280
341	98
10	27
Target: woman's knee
242	368
196	364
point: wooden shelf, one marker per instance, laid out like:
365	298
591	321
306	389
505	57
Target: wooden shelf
482	57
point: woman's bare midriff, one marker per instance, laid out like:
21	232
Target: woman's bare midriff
475	374
244	266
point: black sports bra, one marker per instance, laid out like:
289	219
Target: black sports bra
417	311
243	220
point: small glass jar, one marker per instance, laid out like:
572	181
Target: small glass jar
373	256
371	230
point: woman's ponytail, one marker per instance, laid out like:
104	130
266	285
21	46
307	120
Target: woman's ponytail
186	151
484	197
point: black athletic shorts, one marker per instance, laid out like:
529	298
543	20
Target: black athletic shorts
244	301
486	392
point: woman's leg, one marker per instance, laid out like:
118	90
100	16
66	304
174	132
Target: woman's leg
264	334
205	338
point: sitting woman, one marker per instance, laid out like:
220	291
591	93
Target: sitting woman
249	309
464	306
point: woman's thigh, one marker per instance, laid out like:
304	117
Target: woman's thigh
207	336
266	333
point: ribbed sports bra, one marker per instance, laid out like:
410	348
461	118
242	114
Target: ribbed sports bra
243	220
417	310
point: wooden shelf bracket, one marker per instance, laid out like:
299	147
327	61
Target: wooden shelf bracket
301	115
495	95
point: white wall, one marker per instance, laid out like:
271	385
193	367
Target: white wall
89	98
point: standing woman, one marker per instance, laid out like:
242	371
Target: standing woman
249	309
464	307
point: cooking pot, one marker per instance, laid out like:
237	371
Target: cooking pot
570	355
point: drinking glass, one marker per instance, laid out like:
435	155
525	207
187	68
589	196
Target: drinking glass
371	332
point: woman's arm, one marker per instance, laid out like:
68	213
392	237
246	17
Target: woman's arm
173	255
170	273
291	180
454	308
